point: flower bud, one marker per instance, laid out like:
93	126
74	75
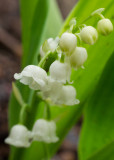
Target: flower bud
49	45
78	57
44	131
19	136
105	26
33	76
60	71
68	42
89	35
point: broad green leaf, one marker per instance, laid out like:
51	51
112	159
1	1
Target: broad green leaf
30	27
98	130
50	22
54	21
33	27
106	153
85	80
27	14
36	27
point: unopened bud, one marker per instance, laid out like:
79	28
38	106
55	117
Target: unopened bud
78	57
105	27
49	45
68	42
89	35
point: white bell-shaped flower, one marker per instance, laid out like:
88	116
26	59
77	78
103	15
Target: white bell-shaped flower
105	26
44	131
52	90
68	42
60	71
33	76
89	35
50	45
19	136
67	96
78	57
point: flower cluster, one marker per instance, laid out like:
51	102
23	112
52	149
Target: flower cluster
56	86
43	131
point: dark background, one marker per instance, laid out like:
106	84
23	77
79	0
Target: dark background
10	57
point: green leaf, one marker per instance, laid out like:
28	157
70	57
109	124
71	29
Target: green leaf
99	115
34	19
32	29
33	22
54	21
40	20
105	153
17	94
38	23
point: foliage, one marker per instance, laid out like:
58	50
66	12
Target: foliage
93	85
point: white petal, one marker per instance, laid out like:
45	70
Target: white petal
68	42
42	53
17	76
89	35
78	57
67	96
45	131
105	26
52	90
52	44
19	136
33	76
60	71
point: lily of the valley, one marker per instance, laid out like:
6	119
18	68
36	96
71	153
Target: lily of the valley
33	76
60	71
44	131
67	96
19	136
105	26
78	57
68	42
89	35
49	45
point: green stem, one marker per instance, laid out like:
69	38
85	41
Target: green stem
23	113
46	151
48	111
68	20
44	59
101	16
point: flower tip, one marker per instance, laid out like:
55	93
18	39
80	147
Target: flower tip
77	101
17	76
